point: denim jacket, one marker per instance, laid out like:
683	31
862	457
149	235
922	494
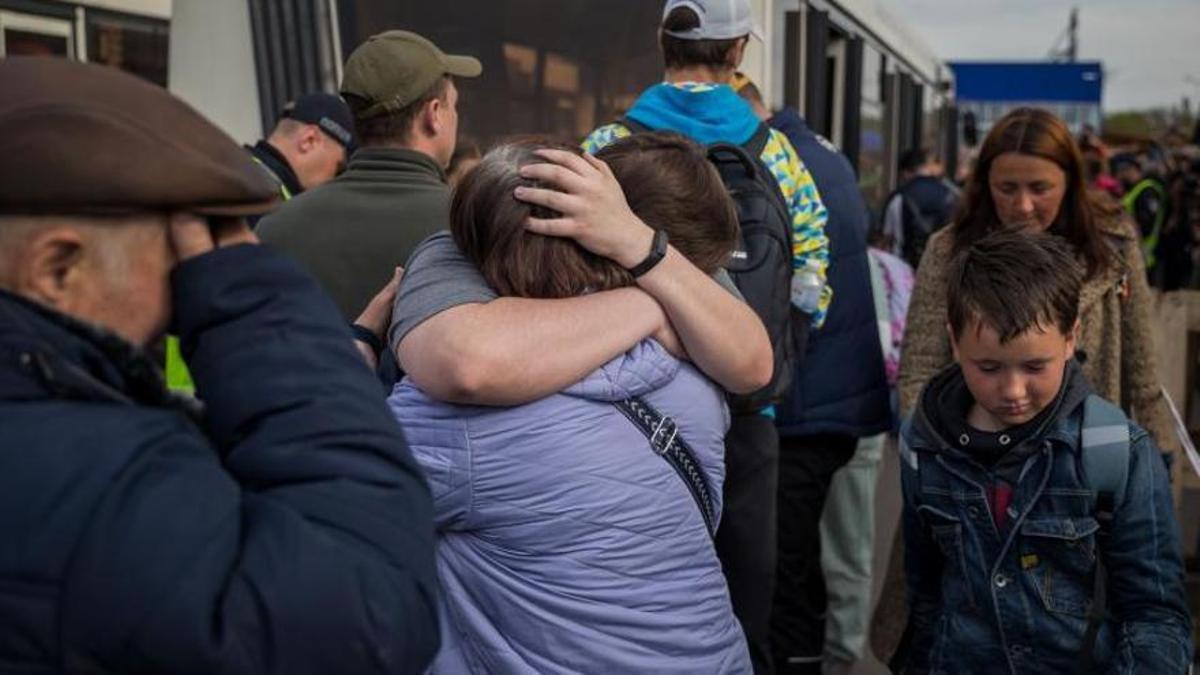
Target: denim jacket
983	600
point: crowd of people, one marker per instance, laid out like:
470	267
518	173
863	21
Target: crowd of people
614	405
1159	186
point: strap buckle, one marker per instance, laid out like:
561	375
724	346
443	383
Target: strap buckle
665	429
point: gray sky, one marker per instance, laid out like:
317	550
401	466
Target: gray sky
1147	46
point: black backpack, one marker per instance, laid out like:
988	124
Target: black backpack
761	265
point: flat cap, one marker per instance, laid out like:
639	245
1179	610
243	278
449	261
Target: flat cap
78	138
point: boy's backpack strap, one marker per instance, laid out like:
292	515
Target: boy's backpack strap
1105	447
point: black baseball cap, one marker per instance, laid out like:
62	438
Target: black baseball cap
327	111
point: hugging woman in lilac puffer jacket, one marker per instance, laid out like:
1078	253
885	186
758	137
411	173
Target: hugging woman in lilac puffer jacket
565	542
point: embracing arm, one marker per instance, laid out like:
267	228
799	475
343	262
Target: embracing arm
724	337
514	350
721	334
505	351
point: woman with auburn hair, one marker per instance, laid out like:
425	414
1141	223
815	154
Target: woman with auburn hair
1030	175
575	532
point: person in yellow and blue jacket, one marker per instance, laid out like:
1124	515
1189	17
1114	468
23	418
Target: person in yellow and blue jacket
708	112
703	42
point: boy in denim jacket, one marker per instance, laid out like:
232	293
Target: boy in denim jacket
1008	520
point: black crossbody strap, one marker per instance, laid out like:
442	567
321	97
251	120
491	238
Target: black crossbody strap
666	442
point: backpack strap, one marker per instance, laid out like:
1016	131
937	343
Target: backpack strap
1105	447
758	142
666	442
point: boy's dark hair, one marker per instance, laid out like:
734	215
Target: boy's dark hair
668	182
393	127
1013	281
680	53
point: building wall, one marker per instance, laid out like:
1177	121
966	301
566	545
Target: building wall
211	64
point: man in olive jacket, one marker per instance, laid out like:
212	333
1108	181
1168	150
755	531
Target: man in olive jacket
352	232
284	527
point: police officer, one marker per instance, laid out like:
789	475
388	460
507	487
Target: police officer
309	144
284	528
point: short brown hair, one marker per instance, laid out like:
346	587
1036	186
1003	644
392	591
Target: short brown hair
668	183
680	53
393	127
1013	281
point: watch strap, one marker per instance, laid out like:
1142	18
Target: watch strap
658	251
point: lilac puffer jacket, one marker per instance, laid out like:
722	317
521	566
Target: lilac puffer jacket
566	545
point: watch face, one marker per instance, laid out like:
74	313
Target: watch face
660	242
658	251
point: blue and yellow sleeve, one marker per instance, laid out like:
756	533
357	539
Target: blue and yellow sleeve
807	210
603	137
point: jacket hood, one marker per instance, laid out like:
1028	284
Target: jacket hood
706	114
929	435
646	367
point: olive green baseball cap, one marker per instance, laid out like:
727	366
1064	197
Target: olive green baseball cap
396	67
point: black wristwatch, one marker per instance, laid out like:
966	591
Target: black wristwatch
368	337
658	251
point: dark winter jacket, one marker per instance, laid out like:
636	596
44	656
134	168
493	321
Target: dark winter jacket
841	386
287	530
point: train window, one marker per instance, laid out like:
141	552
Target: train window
549	68
872	175
29	35
134	44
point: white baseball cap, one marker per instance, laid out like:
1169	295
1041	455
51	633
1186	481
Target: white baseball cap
719	19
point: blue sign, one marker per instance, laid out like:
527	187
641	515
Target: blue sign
1028	81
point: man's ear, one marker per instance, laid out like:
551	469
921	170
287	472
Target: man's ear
738	53
308	139
51	267
431	116
953	342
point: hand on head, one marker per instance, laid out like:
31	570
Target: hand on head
591	204
193	235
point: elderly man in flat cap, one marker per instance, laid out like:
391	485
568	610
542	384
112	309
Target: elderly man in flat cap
282	529
353	231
